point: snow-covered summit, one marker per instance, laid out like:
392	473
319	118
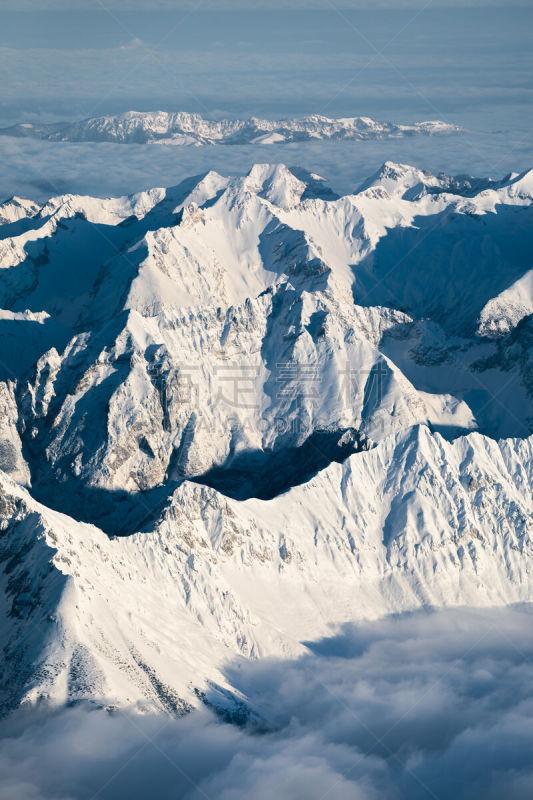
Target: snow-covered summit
331	314
242	388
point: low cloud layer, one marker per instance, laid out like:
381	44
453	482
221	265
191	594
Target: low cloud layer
431	705
31	168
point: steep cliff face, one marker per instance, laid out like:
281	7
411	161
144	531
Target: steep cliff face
239	408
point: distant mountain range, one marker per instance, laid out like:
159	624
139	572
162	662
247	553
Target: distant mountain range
181	128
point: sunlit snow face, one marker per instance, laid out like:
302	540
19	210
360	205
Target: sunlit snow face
426	705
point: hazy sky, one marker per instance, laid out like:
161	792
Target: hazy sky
250	5
401	64
469	66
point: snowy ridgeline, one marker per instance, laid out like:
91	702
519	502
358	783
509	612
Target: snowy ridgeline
181	128
240	410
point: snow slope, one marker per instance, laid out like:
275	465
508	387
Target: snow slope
238	407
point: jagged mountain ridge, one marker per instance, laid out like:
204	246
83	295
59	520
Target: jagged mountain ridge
150	620
178	365
182	128
228	317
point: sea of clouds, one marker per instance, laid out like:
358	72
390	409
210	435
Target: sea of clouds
428	705
39	170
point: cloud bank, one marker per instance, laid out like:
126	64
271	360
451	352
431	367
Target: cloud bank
429	705
36	169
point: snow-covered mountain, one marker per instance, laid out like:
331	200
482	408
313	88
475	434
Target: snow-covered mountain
240	410
182	128
149	620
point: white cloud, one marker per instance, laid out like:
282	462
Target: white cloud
39	169
410	708
134	44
